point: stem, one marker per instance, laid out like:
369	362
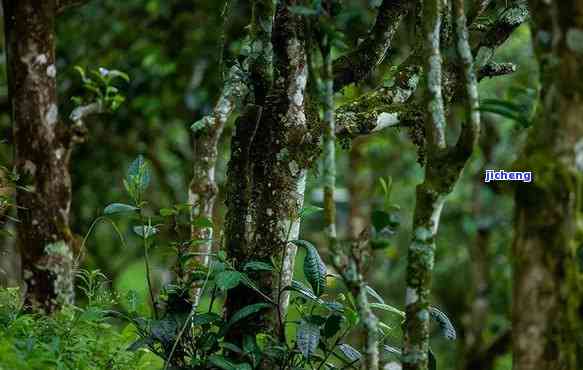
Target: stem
145	237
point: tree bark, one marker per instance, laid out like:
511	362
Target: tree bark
547	289
42	152
442	171
281	150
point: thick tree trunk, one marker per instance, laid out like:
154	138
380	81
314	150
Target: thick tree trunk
41	154
548	290
279	153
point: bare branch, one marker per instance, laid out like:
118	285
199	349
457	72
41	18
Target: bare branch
78	132
362	116
471	130
510	19
79	114
64	5
435	120
494	69
358	64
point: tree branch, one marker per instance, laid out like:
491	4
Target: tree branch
494	69
510	19
359	63
64	5
78	131
365	115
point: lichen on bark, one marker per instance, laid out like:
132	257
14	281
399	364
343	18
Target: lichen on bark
42	150
442	170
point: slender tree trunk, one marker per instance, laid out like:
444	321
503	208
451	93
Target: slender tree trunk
442	170
359	189
42	153
203	187
548	289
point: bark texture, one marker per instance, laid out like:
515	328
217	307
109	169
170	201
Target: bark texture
42	153
547	289
442	170
203	187
281	150
254	75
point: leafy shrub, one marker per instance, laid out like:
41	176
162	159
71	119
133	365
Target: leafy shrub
74	338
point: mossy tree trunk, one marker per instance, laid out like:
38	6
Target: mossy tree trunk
42	152
548	283
263	208
442	170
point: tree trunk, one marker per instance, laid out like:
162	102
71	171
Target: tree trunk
279	153
547	290
42	154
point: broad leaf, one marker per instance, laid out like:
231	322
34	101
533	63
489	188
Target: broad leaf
308	337
314	267
257	266
114	208
393	350
241	314
139	173
332	325
349	352
445	326
221	362
309	210
373	293
228	279
388	308
202	222
205	318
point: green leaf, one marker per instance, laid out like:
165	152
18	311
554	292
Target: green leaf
221	362
374	294
165	212
114	208
205	318
349	352
393	350
139	173
246	280
202	222
257	266
446	327
115	73
140	343
228	279
307	338
298	287
241	314
309	210
314	267
332	325
146	231
388	308
432	361
381	220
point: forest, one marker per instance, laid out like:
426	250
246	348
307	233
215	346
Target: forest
291	184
